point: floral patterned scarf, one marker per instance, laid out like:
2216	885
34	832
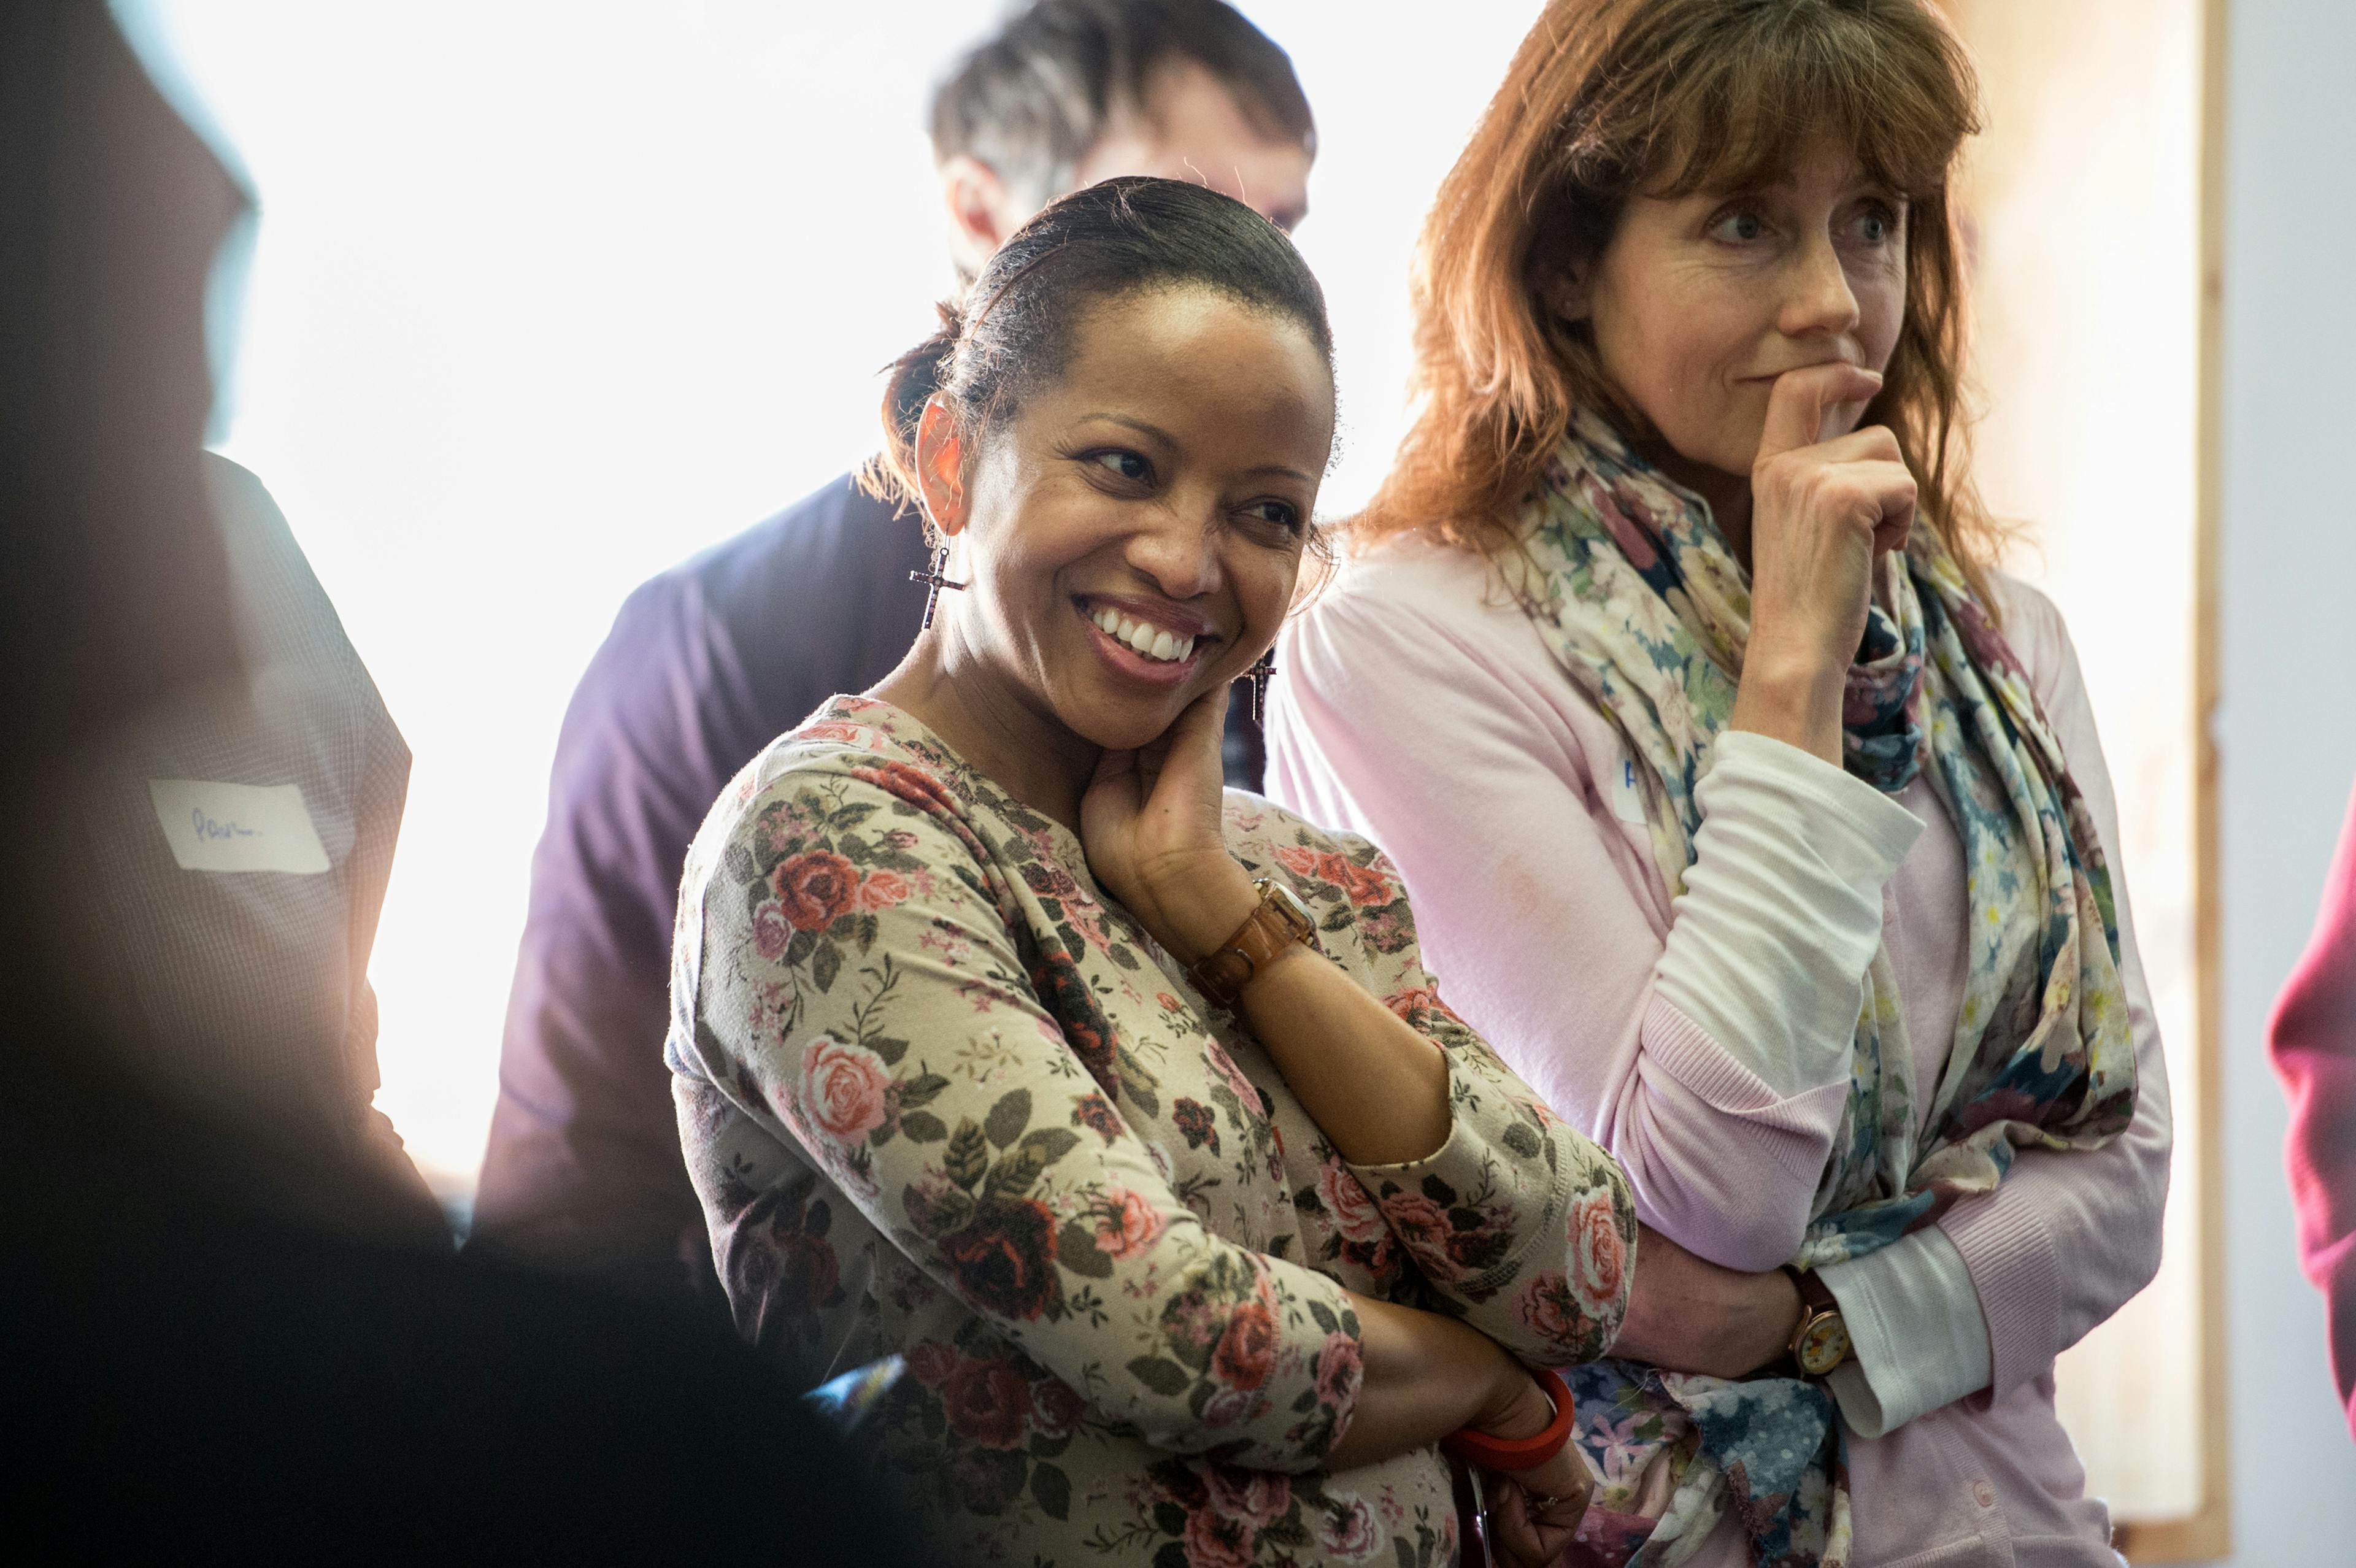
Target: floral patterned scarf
1639	597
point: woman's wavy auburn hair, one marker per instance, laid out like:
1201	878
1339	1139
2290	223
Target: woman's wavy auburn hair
1607	99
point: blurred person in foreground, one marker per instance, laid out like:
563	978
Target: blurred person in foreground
234	841
2312	1039
226	1333
708	663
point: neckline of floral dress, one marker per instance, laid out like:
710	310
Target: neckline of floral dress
851	719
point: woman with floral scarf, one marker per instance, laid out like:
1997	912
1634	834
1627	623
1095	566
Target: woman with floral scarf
1755	818
1121	1113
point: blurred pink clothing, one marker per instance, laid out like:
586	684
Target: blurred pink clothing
2313	1041
1419	706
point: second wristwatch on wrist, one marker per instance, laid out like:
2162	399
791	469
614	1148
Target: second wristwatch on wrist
1821	1342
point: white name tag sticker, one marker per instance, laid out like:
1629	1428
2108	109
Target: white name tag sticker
237	828
1627	794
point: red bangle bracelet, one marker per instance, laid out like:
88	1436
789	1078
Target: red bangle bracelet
1519	1453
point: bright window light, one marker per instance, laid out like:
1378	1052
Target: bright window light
548	297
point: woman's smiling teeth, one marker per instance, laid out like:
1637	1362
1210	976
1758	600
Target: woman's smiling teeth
1153	642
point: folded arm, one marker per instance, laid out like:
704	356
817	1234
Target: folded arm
1514	1219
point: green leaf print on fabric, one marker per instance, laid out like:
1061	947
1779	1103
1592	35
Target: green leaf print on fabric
1009	1117
968	1155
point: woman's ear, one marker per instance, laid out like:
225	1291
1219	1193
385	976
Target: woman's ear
940	468
1568	292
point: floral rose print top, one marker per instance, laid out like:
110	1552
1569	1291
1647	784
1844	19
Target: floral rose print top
943	1098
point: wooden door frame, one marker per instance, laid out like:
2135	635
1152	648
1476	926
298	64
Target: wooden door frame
2207	1533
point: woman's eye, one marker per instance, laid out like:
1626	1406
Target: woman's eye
1283	514
1129	466
1737	228
1876	226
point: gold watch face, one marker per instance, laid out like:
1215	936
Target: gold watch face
1823	1344
1288	907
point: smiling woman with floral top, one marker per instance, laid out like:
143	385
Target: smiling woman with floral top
1001	1041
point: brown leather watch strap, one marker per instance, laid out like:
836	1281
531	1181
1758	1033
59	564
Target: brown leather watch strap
1277	923
1816	1296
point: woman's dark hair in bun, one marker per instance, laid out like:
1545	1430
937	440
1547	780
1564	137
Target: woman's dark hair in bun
1122	237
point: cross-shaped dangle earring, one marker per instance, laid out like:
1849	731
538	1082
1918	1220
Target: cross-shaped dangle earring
1258	676
937	580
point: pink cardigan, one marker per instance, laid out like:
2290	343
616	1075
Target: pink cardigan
2313	1041
1417	706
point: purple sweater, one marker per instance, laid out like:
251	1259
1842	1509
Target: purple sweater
705	666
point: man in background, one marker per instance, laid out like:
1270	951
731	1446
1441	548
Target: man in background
709	662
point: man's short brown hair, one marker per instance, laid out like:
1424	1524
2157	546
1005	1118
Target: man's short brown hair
1031	99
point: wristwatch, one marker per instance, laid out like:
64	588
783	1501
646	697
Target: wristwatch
1280	921
1821	1342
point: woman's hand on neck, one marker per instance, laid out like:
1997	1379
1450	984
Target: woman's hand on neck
1153	821
1154	824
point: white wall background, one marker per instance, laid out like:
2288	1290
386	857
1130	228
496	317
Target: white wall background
2288	730
550	294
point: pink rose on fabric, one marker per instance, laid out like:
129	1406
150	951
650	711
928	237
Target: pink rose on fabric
771	931
1215	1541
1419	1222
829	730
899	839
1246	1092
1340	1368
1547	1310
1420	1005
845	1089
1094	1110
1364	884
1353	1214
912	784
1301	862
931	1364
1349	1528
1258	1498
1230	1407
1056	1408
1600	1253
1247	1351
815	888
987	1402
882	890
1126	1224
